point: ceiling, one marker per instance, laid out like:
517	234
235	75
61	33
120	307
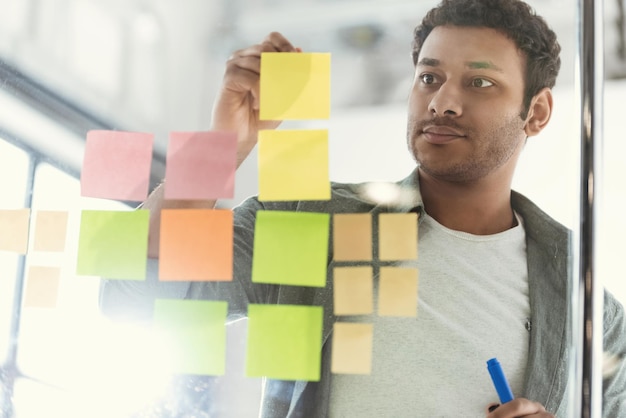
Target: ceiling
154	65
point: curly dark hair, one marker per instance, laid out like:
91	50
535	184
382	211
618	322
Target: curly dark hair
515	19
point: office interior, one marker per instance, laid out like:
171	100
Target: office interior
71	66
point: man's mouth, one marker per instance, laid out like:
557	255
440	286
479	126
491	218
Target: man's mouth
437	134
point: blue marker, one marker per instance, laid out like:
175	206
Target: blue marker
499	381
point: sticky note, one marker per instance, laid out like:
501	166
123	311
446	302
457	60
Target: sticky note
14	230
116	165
397	292
397	236
113	244
294	86
200	165
352	348
352	237
293	165
50	230
353	290
195	333
290	248
42	287
196	245
284	342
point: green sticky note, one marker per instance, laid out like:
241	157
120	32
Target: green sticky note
113	244
294	86
293	165
291	248
284	342
194	332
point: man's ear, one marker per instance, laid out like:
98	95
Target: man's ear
539	112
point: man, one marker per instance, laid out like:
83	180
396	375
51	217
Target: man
493	267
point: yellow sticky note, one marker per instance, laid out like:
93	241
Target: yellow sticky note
397	236
352	236
352	348
294	86
397	292
293	165
14	230
353	290
42	287
50	231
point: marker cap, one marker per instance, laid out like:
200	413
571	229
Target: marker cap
499	380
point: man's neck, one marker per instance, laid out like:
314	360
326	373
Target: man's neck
480	208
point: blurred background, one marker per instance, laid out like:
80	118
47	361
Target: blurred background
70	66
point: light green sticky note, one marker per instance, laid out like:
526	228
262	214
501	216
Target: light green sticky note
113	244
284	342
293	165
291	248
195	332
294	86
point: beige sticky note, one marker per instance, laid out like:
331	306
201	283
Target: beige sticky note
397	291
352	237
353	290
14	230
352	348
397	236
42	287
50	231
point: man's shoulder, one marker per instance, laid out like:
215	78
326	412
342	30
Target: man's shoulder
344	198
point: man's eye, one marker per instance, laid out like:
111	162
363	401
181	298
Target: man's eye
427	78
481	82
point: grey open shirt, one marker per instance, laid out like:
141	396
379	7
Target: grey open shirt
548	258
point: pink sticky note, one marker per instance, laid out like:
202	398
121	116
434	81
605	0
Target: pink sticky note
117	165
201	165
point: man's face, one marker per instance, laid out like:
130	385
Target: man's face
465	104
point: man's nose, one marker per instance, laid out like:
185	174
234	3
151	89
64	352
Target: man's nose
446	101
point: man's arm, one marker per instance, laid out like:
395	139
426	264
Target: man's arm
236	109
614	385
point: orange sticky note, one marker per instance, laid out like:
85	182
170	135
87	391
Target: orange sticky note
353	290
397	292
117	165
352	348
14	230
293	165
42	287
294	86
50	230
201	165
196	245
397	236
352	237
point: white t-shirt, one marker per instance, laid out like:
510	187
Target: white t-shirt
472	306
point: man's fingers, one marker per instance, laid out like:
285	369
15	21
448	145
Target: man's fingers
244	66
274	42
279	42
518	407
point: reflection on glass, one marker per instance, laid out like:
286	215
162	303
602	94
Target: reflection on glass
13	173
